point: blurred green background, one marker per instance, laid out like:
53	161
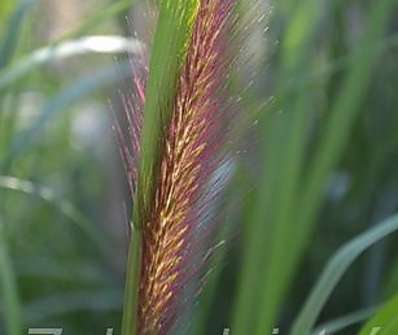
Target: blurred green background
316	167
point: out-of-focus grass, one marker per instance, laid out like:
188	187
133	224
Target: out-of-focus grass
38	126
294	183
385	320
11	308
333	273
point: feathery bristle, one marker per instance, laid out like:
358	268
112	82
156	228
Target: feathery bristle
190	156
133	106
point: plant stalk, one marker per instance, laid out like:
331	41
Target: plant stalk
130	308
8	288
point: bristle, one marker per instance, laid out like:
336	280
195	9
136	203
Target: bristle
190	156
128	138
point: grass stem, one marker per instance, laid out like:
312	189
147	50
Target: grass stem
130	309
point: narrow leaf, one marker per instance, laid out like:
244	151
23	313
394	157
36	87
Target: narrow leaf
84	45
8	288
168	51
385	320
335	270
334	326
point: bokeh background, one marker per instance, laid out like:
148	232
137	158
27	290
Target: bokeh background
323	81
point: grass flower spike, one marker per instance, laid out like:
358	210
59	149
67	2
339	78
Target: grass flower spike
177	164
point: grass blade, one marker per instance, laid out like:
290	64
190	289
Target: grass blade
168	51
335	270
10	40
341	120
345	321
65	207
81	46
385	319
10	299
273	214
288	214
77	90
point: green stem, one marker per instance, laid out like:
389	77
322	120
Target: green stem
130	308
12	310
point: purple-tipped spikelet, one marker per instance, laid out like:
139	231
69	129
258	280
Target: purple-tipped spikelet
173	235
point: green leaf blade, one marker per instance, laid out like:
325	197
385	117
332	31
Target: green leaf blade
385	319
335	270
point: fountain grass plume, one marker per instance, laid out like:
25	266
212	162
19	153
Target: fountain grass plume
171	155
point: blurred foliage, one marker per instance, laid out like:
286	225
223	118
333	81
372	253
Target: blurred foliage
385	321
316	169
6	7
